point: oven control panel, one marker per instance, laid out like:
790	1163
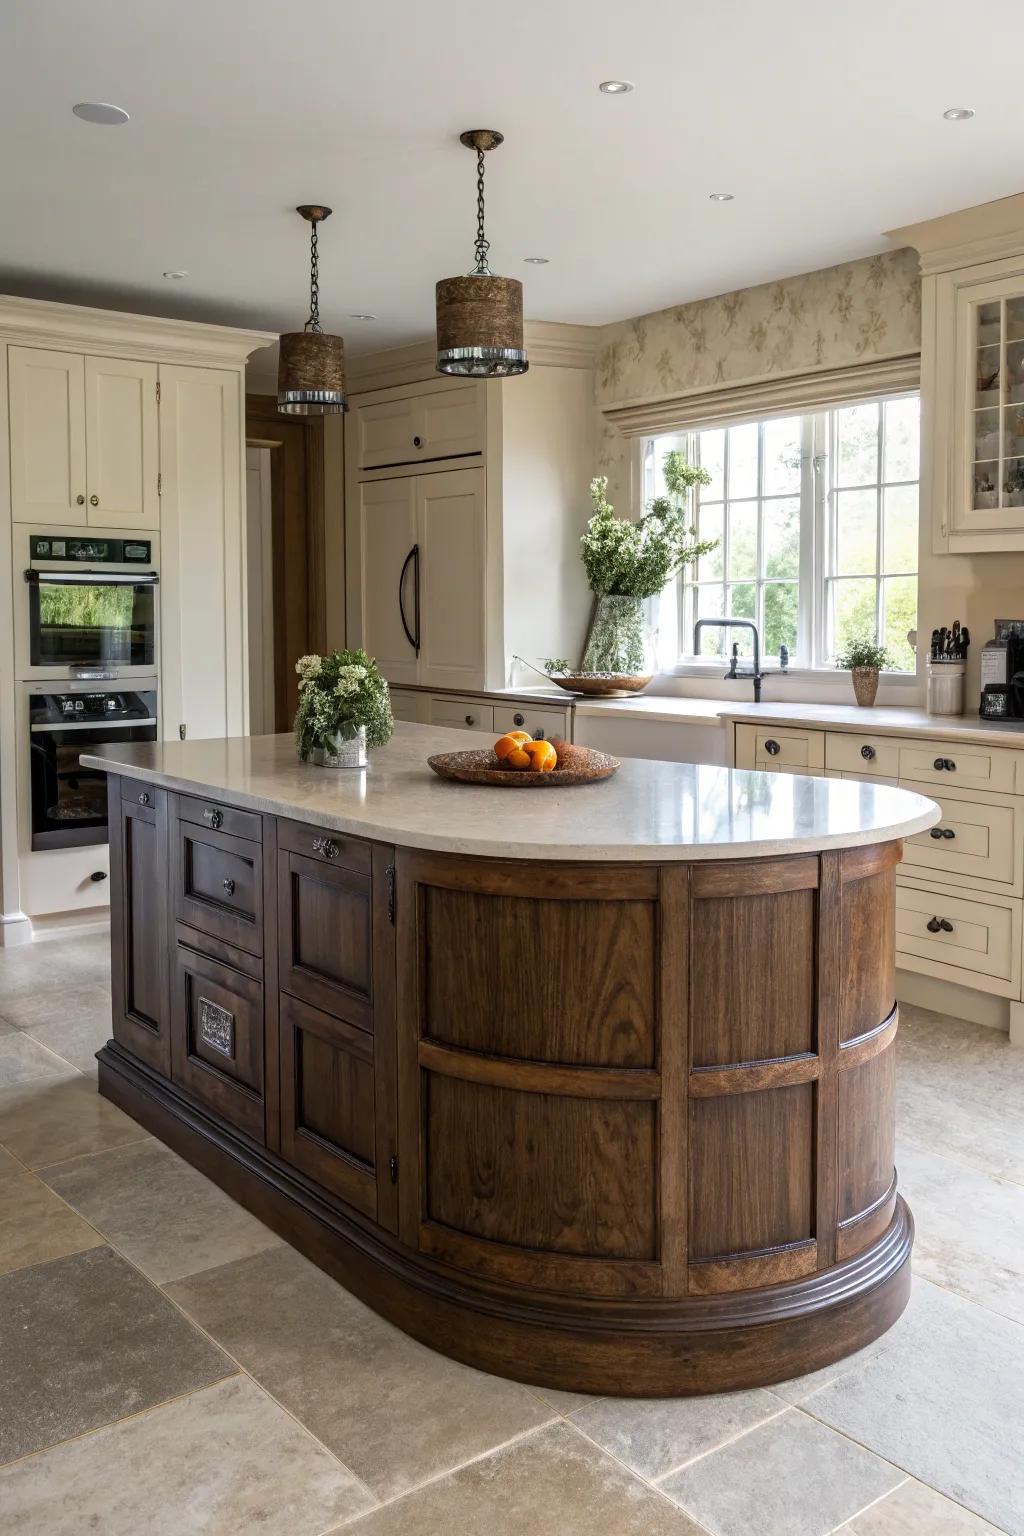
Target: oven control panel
103	551
52	709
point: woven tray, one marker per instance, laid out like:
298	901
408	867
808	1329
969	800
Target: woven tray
576	765
611	686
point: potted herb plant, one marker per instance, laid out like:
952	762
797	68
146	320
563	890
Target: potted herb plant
863	659
628	562
344	709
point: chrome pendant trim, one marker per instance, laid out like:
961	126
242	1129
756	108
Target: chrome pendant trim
311	402
483	362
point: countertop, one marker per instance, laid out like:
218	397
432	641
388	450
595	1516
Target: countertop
650	811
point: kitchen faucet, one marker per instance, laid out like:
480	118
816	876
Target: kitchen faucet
756	675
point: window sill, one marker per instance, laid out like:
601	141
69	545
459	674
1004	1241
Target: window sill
713	671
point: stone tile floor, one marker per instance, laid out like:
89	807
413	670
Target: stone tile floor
168	1365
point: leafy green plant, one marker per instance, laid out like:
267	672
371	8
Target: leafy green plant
553	665
342	689
862	651
627	559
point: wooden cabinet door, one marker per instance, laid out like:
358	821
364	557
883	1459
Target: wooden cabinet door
325	919
450	512
47	417
139	921
217	1039
203	662
121	432
387	538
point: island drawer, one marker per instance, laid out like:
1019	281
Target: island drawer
979	839
137	792
942	932
220	818
778	747
218	884
217	1046
465	714
869	756
325	846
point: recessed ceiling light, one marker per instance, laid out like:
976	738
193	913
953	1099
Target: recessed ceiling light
537	261
103	112
958	114
616	87
720	197
362	317
176	276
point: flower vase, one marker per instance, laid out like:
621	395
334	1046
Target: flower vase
621	641
345	748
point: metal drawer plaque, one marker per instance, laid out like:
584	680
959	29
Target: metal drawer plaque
216	1027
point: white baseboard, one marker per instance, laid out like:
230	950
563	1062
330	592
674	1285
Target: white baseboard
956	1001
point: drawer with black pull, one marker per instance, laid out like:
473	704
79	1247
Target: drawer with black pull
220	818
979	841
941	931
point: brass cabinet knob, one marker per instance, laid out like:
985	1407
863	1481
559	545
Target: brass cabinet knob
94	501
80	501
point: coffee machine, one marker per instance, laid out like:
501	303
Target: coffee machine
1002	672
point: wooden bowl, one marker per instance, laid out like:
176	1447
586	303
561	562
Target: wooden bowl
610	686
576	765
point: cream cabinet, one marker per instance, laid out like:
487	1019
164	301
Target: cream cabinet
84	440
415	427
780	749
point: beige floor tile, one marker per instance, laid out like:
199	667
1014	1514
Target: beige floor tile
56	1005
9	1166
563	1402
86	1340
392	1410
76	1039
551	1483
969	1229
943	1398
223	1462
914	1510
158	1210
949	1076
22	1059
35	1225
655	1436
52	1118
788	1477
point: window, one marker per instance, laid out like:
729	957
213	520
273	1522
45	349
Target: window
816	518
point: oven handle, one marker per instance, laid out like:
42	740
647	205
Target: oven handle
93	725
96	578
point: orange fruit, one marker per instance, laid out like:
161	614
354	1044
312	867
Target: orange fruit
542	755
508	749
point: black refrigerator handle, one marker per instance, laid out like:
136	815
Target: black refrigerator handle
413	638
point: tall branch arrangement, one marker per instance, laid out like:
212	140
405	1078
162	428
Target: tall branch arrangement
627	559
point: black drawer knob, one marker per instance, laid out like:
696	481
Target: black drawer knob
144	798
98	875
939	925
939	764
326	847
933	925
417	442
936	832
945	925
772	747
214	817
518	719
229	885
949	765
867	752
470	719
948	833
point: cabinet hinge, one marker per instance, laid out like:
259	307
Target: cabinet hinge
158	391
159	483
393	1170
181	732
389	877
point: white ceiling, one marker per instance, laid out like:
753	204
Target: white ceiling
824	120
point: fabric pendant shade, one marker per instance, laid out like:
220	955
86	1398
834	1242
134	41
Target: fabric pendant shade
311	364
479	315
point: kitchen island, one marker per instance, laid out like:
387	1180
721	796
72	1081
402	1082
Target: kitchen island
590	1087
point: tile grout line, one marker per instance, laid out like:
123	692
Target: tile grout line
836	1530
960	1162
640	1478
76	1157
740	1434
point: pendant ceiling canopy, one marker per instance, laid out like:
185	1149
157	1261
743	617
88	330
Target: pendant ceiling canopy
480	316
311	367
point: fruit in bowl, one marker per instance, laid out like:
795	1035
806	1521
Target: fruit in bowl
517	749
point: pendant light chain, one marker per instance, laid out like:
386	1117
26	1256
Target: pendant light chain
483	245
313	323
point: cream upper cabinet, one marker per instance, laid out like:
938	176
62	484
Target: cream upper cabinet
452	538
443	423
389	557
203	666
47	420
121	443
84	440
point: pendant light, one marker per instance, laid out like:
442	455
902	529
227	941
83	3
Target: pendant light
311	366
480	316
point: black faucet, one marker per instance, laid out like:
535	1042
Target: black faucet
757	675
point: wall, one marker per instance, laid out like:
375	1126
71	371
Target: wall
860	311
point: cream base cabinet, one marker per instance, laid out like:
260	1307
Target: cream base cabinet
388	541
47	422
203	666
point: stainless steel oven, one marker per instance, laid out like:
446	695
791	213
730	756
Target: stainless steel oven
90	608
68	802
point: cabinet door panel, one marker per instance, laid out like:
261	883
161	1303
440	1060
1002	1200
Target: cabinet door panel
328	1102
387	517
217	1039
138	925
47	413
451	422
121	443
385	433
450	519
326	948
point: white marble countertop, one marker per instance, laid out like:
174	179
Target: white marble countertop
649	811
883	719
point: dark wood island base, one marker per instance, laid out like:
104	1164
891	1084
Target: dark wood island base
613	1128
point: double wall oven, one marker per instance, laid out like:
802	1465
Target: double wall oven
86	653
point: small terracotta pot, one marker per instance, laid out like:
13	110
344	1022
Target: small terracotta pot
865	684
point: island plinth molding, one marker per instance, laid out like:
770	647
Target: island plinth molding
620	1126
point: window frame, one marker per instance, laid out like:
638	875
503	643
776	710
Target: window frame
817	542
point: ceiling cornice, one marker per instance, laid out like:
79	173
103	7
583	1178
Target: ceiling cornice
987	232
110	333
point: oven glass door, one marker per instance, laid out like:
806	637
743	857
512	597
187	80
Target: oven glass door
78	619
69	802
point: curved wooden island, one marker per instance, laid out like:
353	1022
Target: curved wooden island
592	1088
